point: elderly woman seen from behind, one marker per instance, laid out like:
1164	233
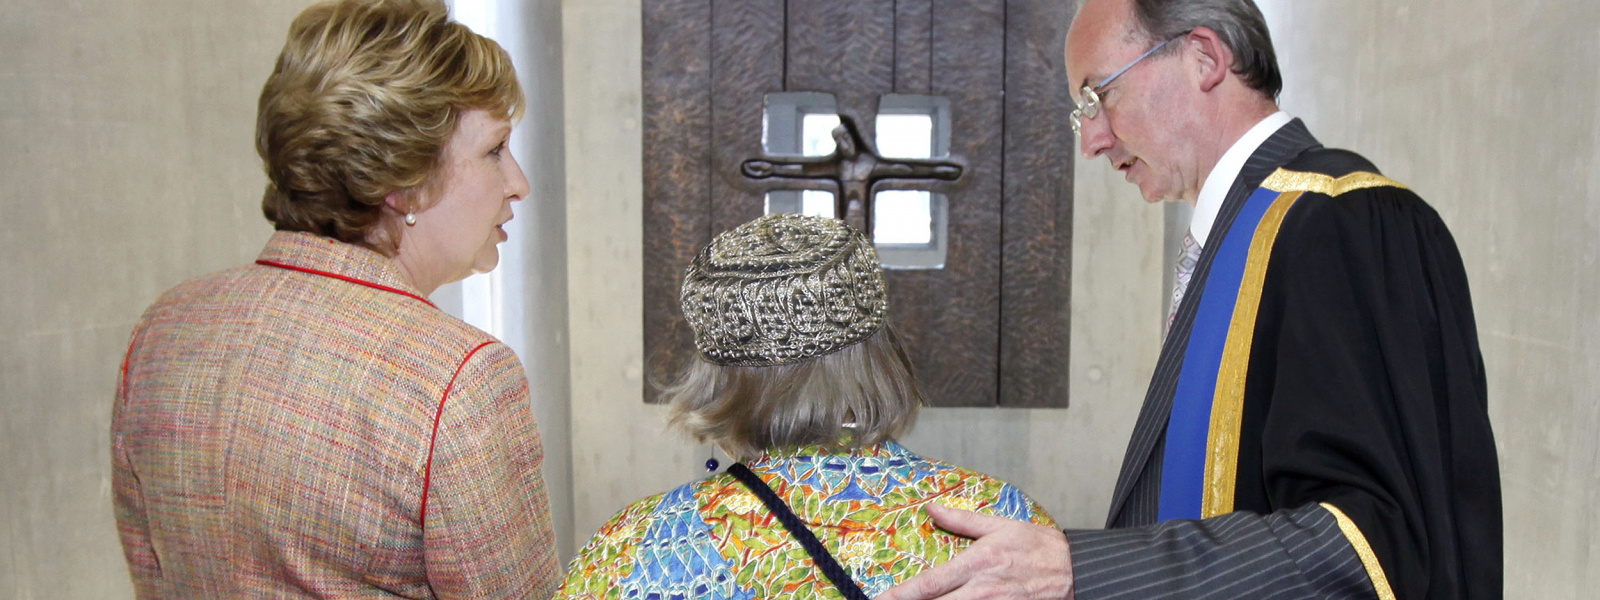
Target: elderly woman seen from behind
310	426
801	378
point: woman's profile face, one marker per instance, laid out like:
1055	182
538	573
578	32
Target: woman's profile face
469	200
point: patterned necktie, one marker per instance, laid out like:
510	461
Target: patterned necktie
1186	262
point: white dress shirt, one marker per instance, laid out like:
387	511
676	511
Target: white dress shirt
1215	189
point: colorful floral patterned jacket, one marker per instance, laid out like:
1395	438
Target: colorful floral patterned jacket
713	539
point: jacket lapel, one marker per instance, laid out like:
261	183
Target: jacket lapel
1284	145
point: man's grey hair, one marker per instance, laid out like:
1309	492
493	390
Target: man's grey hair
749	410
1238	22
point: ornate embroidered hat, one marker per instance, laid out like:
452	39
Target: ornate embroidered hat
782	289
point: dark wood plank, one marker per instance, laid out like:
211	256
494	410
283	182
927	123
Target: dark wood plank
676	103
844	48
1036	285
747	64
952	314
913	42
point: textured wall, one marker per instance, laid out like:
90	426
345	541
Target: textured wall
1491	111
621	450
128	166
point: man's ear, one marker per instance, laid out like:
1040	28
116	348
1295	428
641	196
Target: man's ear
1214	59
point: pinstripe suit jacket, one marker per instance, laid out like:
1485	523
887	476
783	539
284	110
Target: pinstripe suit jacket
310	427
1287	544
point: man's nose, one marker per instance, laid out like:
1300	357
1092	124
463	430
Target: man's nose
1094	136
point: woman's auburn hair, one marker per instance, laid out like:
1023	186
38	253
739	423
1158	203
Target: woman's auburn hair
749	410
360	105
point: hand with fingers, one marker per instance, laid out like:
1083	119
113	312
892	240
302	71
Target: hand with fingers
1008	559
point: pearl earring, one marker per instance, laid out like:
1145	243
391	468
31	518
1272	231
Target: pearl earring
411	219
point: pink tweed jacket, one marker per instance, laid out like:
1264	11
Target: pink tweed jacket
311	427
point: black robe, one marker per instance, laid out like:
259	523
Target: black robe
1364	391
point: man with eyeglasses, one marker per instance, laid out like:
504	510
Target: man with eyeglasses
1316	426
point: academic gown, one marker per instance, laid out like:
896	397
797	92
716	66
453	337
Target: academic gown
1362	464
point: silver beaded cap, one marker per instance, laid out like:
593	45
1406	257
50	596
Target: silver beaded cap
782	289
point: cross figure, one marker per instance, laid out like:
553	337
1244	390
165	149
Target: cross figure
856	167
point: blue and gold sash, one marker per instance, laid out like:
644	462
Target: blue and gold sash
1200	464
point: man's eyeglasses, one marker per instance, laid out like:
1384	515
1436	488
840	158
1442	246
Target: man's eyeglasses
1089	106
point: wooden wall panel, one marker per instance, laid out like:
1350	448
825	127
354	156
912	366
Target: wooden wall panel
1036	283
951	315
746	64
677	172
913	46
844	48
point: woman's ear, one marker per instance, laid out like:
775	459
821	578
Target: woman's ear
385	237
1213	59
400	201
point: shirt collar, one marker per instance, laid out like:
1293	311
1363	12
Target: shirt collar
1215	189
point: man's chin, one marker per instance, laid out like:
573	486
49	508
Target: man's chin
1158	196
1152	196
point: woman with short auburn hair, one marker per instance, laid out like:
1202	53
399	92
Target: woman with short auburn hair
310	426
800	377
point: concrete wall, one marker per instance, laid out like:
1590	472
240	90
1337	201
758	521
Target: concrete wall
128	166
620	449
1491	111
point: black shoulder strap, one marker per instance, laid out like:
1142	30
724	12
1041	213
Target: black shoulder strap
801	533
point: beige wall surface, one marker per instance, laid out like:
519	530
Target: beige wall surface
620	449
128	166
1491	111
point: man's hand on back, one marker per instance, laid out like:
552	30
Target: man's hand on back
1009	559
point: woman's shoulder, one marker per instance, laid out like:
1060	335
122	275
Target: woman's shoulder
648	533
197	291
969	489
624	529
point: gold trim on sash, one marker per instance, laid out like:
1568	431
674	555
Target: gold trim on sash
1284	180
1380	582
1227	404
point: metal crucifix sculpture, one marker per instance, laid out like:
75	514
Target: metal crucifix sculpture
991	325
856	168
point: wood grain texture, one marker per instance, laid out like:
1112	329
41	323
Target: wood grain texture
913	46
747	64
1036	283
844	48
677	73
951	315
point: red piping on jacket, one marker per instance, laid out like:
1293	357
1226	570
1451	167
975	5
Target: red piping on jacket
343	278
122	375
427	471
